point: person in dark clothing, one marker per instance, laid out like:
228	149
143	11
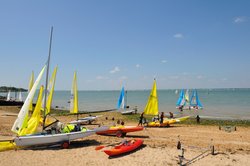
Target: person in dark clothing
162	117
198	119
141	119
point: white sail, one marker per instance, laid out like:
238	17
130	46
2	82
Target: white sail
8	96
20	98
25	108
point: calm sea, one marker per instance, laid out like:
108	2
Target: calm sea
218	103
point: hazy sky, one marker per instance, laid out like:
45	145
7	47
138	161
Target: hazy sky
182	43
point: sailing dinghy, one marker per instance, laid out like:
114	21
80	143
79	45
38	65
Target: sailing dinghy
121	104
57	133
74	106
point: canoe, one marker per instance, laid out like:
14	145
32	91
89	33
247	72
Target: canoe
120	131
124	147
167	122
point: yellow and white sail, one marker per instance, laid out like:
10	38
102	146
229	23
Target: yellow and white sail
30	86
25	108
50	91
152	105
187	96
74	96
34	121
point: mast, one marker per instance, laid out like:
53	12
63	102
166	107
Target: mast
47	77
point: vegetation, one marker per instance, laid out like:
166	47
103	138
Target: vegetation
12	89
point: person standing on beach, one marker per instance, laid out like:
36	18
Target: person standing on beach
162	117
198	119
141	118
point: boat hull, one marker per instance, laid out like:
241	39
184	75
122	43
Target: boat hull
121	129
167	122
124	148
43	139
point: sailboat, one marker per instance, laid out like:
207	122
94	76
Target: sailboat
183	101
152	109
121	104
51	136
195	101
74	105
20	98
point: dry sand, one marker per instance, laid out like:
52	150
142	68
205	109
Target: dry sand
159	146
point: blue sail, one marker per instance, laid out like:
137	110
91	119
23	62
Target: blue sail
180	100
120	103
195	100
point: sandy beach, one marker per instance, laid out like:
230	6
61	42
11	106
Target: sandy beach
159	148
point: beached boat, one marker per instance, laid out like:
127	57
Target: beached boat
120	131
167	122
152	109
124	147
53	135
122	104
74	105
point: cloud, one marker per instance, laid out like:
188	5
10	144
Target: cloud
116	69
240	19
163	61
174	77
178	36
101	78
200	77
224	79
137	65
123	78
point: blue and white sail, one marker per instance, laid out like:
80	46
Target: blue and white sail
181	99
195	102
121	100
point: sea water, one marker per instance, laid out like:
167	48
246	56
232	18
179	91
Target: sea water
217	103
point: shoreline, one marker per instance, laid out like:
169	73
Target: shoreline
231	148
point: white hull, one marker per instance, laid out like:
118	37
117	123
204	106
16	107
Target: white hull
128	112
33	140
88	119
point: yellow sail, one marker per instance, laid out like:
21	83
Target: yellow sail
152	105
35	118
187	96
74	96
30	86
51	90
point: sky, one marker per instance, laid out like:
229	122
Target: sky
110	43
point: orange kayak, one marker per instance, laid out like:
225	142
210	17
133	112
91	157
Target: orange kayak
128	146
120	131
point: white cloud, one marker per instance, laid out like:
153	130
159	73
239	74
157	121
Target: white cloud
137	65
123	78
174	77
101	78
239	19
200	77
163	61
224	79
178	36
116	69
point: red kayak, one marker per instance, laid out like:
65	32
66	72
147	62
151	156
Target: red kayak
120	131
128	146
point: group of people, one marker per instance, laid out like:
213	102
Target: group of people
159	118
